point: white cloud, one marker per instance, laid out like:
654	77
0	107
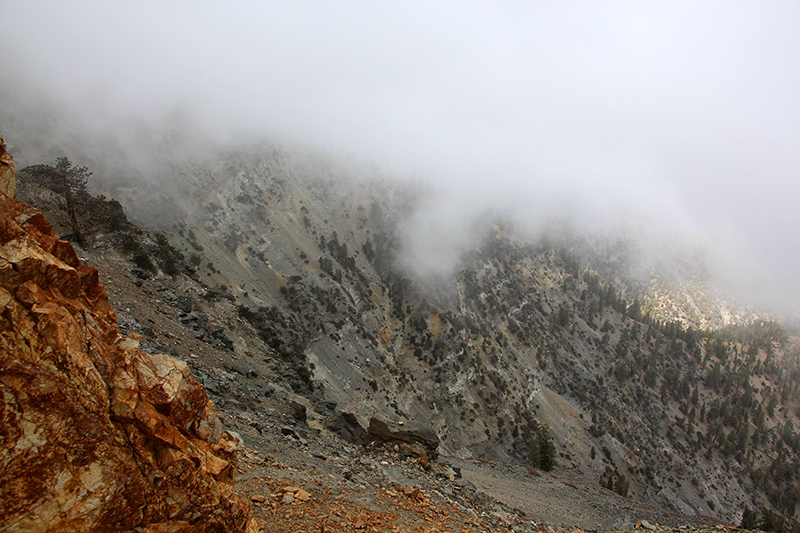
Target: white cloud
684	112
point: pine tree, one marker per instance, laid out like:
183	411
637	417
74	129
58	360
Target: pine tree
71	182
749	519
542	452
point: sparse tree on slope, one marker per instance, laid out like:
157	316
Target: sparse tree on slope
70	181
542	452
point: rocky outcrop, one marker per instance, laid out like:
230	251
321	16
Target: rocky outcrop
411	440
95	434
8	182
348	427
415	440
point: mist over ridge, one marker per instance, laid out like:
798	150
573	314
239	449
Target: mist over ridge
553	235
682	118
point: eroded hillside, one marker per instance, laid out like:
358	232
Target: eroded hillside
291	260
527	332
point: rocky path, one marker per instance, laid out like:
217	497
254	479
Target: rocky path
321	484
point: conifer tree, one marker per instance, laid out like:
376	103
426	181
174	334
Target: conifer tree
542	452
71	182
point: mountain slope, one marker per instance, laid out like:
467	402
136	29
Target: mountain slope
296	260
526	332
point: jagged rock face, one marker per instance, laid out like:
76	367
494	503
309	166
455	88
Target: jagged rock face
8	182
96	435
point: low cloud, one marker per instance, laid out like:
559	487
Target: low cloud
683	115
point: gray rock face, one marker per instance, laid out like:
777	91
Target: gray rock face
347	425
382	430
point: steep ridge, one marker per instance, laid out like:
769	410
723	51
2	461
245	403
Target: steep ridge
96	435
295	273
526	332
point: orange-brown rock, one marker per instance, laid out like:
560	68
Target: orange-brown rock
8	182
95	434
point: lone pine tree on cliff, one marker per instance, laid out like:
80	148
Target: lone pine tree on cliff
70	181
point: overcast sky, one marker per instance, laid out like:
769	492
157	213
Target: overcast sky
686	113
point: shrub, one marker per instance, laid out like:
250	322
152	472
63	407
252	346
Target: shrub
142	260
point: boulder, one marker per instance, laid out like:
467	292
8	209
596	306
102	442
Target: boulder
418	440
95	434
298	411
348	427
185	303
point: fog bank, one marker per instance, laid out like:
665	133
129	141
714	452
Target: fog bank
683	116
